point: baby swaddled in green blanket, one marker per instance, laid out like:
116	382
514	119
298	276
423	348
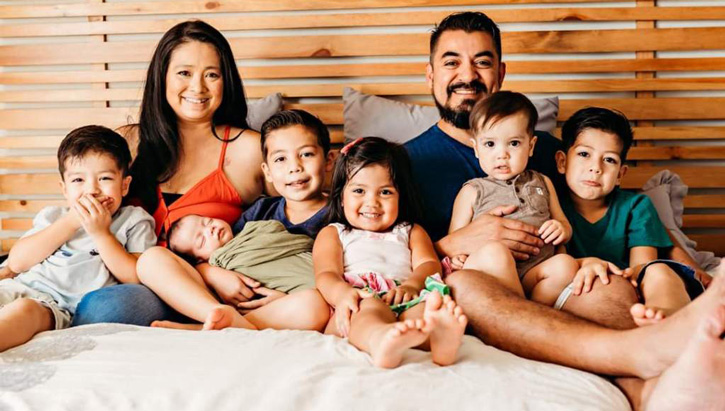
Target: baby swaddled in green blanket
268	253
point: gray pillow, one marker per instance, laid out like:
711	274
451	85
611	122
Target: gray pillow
367	115
258	111
667	192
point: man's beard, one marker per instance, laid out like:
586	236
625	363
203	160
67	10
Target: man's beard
461	115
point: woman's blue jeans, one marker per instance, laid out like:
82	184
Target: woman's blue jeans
125	303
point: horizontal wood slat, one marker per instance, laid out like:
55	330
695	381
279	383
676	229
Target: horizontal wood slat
653	108
29	206
377	45
383	89
428	18
704	201
703	221
226	6
692	176
710	242
331	113
377	69
677	153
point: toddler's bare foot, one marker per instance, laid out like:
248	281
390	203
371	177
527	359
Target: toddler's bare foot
643	315
388	345
175	325
448	326
225	316
695	381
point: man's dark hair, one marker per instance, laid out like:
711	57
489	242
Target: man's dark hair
97	140
598	118
295	117
468	21
500	105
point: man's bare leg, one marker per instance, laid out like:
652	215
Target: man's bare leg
504	320
606	304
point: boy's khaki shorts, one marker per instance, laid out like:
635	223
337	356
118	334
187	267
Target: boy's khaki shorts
11	290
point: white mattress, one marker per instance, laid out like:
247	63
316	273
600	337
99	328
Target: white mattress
124	367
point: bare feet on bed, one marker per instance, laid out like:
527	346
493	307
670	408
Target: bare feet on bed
176	326
696	380
673	334
225	316
448	325
388	344
643	315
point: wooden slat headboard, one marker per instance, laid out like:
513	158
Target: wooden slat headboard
66	65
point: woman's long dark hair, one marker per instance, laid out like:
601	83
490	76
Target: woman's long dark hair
368	151
159	147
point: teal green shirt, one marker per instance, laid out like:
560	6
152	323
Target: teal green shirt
631	221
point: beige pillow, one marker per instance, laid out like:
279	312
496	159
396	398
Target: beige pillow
367	115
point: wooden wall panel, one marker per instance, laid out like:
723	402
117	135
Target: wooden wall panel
70	64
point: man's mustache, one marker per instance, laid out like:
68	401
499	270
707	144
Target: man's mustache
474	85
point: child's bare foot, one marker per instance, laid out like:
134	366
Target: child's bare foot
175	325
225	316
388	345
448	326
643	315
695	380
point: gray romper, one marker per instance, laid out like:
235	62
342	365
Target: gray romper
528	190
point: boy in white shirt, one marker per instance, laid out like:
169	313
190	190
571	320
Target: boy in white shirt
92	243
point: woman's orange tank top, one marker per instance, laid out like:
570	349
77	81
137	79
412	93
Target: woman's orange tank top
213	196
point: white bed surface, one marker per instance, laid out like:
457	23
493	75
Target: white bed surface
123	367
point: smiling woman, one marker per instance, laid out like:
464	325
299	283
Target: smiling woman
192	96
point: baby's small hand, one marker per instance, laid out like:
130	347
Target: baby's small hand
553	232
400	294
458	261
345	307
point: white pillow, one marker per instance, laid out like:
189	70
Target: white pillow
367	115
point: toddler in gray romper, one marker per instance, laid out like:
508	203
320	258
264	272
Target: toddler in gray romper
503	129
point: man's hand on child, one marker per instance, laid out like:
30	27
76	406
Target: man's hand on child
593	268
345	307
268	295
553	232
521	238
94	217
400	294
233	288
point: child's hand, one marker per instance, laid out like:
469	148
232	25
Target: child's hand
345	307
94	216
400	294
268	295
6	272
233	288
553	232
584	278
458	261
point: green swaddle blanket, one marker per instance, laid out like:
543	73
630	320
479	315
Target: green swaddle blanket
268	253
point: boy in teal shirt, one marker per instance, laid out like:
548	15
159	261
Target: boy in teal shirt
614	226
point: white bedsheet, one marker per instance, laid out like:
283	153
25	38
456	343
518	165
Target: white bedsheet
124	367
